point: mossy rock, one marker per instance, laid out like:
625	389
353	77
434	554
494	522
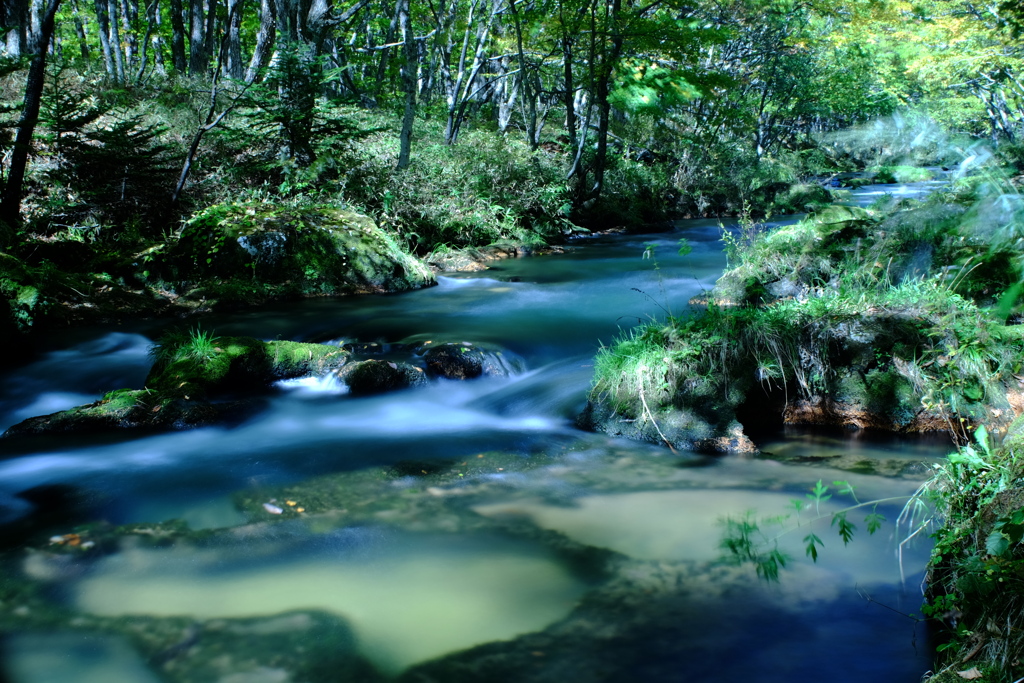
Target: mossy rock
22	297
241	363
462	360
888	175
123	409
179	387
378	376
679	428
313	250
801	198
838	217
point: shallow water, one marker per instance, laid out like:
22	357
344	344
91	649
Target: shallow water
447	563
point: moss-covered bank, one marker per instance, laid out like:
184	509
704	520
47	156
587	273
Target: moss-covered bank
859	318
976	574
227	256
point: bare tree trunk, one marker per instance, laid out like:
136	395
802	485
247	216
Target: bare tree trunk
462	89
103	23
601	91
264	40
506	94
317	24
382	64
129	20
197	38
158	43
234	67
152	21
529	95
408	84
10	204
210	46
83	40
178	37
14	18
115	39
569	96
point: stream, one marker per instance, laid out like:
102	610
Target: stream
474	533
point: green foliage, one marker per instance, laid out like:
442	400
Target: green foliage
900	174
745	542
178	344
978	554
487	188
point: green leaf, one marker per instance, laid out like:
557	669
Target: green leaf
1009	300
874	522
846	488
818	493
981	436
846	527
813	542
997	544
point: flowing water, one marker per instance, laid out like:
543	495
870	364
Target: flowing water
463	513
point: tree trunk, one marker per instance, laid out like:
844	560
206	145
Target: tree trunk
158	43
178	37
526	82
129	20
506	93
115	39
601	91
408	84
233	66
10	204
83	40
14	17
103	23
197	38
570	90
210	42
264	40
382	64
152	22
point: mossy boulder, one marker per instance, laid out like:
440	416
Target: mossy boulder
123	409
378	376
801	198
679	428
462	360
887	175
231	364
182	386
310	250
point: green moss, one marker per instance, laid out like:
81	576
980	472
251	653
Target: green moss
186	374
237	363
265	250
900	174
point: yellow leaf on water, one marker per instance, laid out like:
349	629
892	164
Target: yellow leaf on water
971	674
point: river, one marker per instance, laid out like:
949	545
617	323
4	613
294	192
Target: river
479	500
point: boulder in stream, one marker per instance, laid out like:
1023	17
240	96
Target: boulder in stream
461	360
378	376
187	376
